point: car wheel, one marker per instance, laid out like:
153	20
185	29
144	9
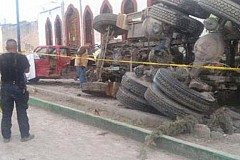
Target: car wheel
34	80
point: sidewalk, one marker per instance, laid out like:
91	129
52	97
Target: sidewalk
61	138
56	94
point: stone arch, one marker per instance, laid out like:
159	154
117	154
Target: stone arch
58	30
106	7
88	26
72	28
152	2
128	6
48	32
149	3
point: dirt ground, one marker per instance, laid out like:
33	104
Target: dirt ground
68	93
61	138
101	105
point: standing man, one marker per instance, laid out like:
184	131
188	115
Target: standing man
81	62
13	67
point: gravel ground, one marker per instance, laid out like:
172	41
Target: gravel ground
68	93
202	136
61	138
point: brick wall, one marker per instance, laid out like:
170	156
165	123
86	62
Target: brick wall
29	35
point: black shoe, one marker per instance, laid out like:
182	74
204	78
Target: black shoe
6	140
25	139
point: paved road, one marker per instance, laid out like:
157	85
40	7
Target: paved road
61	138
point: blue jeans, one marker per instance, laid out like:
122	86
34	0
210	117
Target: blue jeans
11	93
82	75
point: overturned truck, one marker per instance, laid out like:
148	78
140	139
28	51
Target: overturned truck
164	64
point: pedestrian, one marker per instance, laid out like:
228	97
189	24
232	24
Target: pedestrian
13	67
81	62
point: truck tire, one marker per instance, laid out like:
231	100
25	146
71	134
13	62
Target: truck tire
189	7
224	8
137	86
102	21
236	1
178	20
133	102
180	93
165	105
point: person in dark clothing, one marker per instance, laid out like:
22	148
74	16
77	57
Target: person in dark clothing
13	67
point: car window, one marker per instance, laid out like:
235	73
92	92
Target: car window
63	51
53	53
41	52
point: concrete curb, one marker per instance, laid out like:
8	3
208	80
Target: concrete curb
176	146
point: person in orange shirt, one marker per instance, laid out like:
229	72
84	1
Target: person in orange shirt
81	62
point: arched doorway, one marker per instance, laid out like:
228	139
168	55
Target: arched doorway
149	3
88	26
152	2
72	27
48	32
58	31
106	7
128	6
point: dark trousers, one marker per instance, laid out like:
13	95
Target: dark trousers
11	93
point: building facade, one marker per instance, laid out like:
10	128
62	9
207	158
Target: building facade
71	22
29	35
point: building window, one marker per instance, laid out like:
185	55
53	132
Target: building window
48	32
58	31
88	26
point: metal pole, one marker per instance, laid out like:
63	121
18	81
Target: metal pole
63	23
81	23
18	28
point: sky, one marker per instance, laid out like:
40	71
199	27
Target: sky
28	9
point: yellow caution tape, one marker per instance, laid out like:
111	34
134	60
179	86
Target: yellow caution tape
151	63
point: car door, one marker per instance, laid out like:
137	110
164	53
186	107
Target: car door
53	60
63	59
42	64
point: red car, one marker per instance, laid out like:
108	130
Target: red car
50	62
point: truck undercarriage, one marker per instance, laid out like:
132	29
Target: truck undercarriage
182	71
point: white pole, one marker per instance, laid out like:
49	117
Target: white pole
63	23
81	24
